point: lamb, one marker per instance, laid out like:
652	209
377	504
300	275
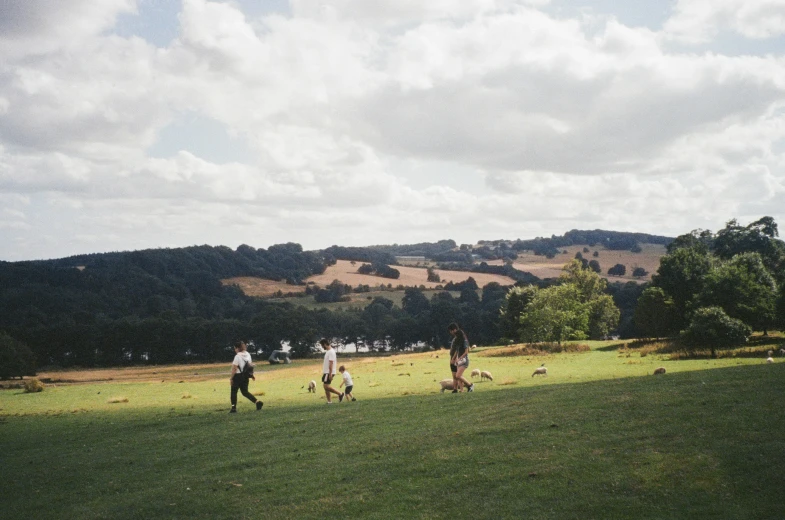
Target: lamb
659	370
446	384
476	372
312	386
769	359
541	371
486	375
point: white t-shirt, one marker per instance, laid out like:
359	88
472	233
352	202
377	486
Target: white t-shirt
347	378
329	355
241	359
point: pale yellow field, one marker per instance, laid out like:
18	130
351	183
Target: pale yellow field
261	287
344	271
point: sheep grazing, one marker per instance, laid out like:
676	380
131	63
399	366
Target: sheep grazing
769	359
541	371
771	353
312	387
782	352
446	384
486	375
659	370
476	372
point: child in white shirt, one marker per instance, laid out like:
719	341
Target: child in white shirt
347	380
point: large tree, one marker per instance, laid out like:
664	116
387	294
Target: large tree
744	289
682	276
655	314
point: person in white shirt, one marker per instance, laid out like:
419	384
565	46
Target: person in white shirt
328	371
347	380
239	378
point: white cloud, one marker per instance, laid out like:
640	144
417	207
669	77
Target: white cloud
698	21
569	124
33	27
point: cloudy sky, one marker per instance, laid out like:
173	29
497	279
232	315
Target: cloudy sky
130	124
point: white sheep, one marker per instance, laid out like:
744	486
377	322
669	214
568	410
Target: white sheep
782	352
446	384
486	375
769	359
476	372
541	371
771	353
312	386
659	370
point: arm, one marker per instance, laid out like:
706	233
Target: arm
330	367
234	371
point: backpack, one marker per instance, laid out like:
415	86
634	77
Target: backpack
247	370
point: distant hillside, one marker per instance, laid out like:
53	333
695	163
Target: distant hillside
611	240
170	305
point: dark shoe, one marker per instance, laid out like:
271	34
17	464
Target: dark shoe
353	399
233	410
471	387
340	398
455	391
259	405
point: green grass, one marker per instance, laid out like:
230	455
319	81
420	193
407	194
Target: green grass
598	438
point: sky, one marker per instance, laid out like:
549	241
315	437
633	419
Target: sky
134	124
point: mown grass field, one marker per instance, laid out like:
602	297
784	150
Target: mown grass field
600	437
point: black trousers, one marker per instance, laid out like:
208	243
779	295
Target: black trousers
240	382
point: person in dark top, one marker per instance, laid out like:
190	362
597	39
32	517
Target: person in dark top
459	358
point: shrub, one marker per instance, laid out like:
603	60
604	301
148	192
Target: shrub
33	385
712	328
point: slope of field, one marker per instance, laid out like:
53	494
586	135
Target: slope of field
261	287
599	437
542	267
346	273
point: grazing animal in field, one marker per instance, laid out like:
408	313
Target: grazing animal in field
541	371
312	387
782	352
446	384
771	353
486	375
476	372
659	370
769	359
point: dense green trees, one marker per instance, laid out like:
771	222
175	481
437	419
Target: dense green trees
711	283
655	314
16	359
577	308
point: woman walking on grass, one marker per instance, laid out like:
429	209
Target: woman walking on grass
241	373
459	358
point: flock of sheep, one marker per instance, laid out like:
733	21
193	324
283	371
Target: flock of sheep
447	384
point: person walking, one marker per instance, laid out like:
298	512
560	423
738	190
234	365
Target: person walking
242	371
347	380
459	358
328	371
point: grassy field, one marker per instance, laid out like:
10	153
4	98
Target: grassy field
599	437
